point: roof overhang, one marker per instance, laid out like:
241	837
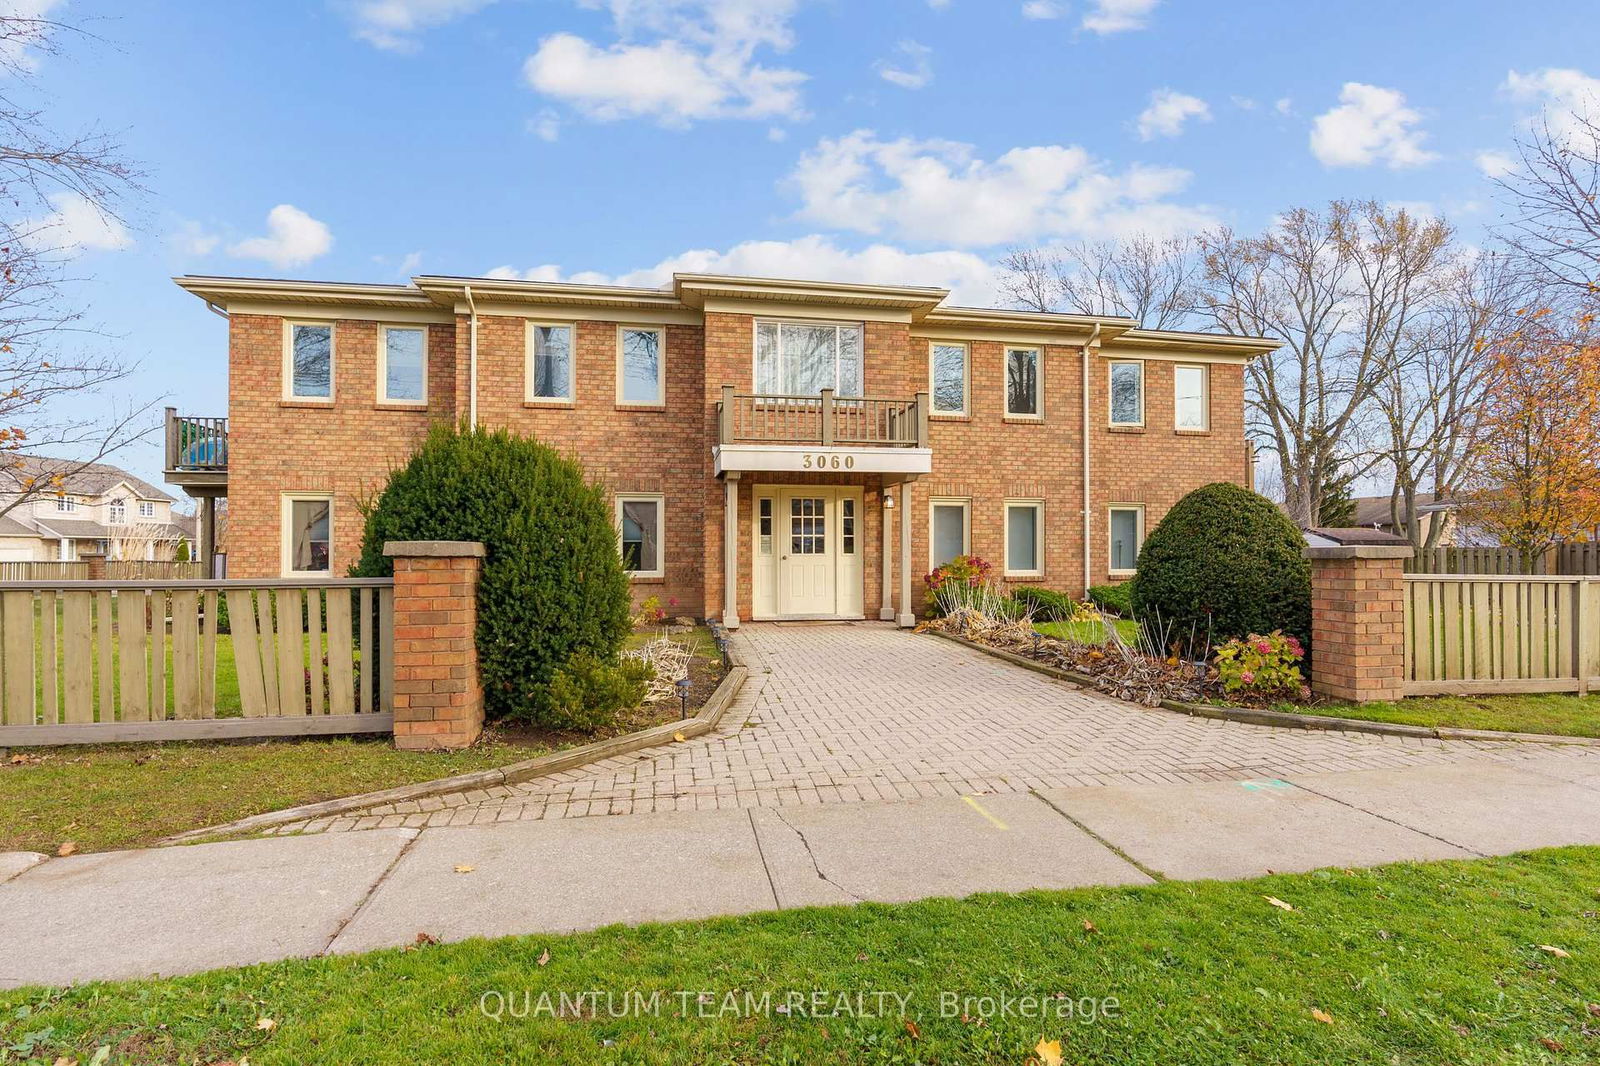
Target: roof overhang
693	290
1219	345
1064	328
452	292
229	292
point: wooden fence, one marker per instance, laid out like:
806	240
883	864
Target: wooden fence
43	571
153	570
1485	634
1570	560
96	661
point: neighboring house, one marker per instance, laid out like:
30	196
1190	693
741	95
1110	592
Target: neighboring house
97	510
1374	512
775	449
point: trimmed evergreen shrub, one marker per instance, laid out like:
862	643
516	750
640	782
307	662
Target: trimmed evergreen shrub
552	585
1116	599
1223	563
588	693
1048	605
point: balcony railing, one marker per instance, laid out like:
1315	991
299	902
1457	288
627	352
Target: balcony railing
195	443
824	419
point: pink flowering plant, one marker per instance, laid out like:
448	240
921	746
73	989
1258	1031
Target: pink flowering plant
948	585
1262	665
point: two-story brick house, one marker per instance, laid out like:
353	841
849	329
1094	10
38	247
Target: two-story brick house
776	449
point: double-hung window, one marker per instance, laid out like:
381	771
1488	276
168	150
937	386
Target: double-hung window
551	369
639	521
1023	395
307	534
803	358
147	509
949	530
1190	401
117	512
403	364
947	370
308	361
1127	533
1127	394
1024	538
66	504
641	351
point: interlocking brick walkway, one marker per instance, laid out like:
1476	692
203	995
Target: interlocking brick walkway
835	713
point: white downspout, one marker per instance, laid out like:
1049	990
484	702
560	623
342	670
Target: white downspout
1094	340
472	360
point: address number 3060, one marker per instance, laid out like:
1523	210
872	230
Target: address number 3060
808	461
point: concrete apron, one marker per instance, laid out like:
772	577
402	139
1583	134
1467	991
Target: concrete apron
179	910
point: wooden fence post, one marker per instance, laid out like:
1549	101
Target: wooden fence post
1357	613
438	693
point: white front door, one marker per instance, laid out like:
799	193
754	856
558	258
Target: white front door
806	553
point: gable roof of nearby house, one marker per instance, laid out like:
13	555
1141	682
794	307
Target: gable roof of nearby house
93	479
10	527
1374	510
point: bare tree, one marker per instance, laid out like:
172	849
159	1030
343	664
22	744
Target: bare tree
1152	280
1553	199
1340	288
49	355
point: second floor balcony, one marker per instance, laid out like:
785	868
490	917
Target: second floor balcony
196	453
864	434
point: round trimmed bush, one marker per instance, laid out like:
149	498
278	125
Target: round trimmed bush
552	586
1223	563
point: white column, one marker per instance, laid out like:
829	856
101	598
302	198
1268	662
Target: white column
908	616
730	551
886	515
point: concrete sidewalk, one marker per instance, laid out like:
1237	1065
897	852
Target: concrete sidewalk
179	910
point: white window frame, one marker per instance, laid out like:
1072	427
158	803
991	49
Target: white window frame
623	329
963	502
66	505
1038	536
835	324
117	511
289	325
530	351
1111	412
660	500
286	543
966	380
1138	536
1205	397
147	509
383	365
1038	381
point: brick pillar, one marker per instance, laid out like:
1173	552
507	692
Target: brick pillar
438	695
97	566
1357	613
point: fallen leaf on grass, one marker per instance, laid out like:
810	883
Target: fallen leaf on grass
465	867
1552	1045
1090	927
266	1025
1278	903
1594	1010
1049	1052
422	940
1322	1016
544	957
69	848
912	1030
1553	950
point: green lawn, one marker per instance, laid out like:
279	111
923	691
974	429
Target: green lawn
1437	963
1089	632
1560	713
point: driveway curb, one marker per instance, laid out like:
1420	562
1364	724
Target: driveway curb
706	720
1280	719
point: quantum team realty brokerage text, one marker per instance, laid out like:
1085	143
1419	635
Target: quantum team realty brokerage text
799	1003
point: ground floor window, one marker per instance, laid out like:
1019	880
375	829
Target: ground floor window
307	534
1024	538
1127	533
640	519
949	531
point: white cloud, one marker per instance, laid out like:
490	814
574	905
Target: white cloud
1168	112
394	25
1117	16
1370	125
75	224
1243	103
1043	9
939	191
702	66
1495	164
293	238
1562	93
917	70
1283	105
547	126
191	238
970	277
15	50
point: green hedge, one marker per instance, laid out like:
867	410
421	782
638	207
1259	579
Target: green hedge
1048	605
1117	599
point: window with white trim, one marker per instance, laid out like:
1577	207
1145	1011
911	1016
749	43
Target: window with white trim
1127	394
1022	382
847	525
117	511
551	368
66	504
1190	397
147	509
308	360
947	374
764	525
803	358
1126	527
403	364
949	530
1024	538
640	352
640	523
308	534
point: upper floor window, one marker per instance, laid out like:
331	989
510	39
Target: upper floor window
1190	404
947	369
147	509
550	363
117	511
639	378
1022	382
308	358
1127	394
403	364
66	504
803	358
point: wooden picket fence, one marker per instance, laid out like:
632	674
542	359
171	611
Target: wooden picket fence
1486	634
25	570
153	570
1569	560
98	661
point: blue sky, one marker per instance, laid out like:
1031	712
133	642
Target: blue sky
891	140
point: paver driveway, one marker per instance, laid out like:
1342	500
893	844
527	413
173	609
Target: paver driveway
863	711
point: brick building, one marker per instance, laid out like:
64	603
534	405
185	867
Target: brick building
776	449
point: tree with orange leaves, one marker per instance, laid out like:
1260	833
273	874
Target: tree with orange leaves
1536	469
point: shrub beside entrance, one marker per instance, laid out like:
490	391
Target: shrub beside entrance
552	587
